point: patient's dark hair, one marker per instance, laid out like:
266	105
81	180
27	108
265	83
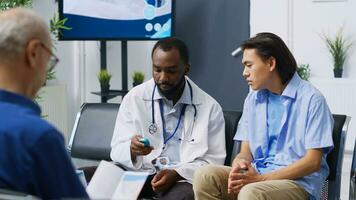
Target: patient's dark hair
269	45
167	44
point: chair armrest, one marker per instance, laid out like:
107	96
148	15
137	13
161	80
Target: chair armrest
7	194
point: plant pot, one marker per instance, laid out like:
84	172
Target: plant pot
105	88
337	73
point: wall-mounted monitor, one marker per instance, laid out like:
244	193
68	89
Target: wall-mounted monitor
117	19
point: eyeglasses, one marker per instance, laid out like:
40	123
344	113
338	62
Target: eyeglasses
53	60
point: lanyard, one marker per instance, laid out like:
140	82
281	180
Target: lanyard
164	121
152	128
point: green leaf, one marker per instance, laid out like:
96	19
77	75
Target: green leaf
104	77
303	71
57	25
338	47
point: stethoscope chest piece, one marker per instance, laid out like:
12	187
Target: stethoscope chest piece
152	129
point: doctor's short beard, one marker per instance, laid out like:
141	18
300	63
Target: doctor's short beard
174	91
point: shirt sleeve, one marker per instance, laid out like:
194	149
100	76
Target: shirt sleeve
319	126
53	174
242	126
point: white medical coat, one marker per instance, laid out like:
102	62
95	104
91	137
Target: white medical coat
202	143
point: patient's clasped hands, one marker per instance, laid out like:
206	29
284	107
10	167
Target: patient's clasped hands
241	174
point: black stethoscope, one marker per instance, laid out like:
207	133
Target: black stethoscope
153	128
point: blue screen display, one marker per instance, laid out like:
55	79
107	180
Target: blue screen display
116	19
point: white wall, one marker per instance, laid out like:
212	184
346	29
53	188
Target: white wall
301	23
65	71
80	62
139	59
311	19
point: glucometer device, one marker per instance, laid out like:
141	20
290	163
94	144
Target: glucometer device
144	141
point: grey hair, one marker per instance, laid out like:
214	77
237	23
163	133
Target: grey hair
17	27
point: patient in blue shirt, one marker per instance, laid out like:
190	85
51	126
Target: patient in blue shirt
33	159
285	132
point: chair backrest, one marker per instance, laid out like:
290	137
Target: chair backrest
93	130
353	176
339	145
331	187
231	120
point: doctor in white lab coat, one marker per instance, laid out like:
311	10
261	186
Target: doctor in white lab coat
183	124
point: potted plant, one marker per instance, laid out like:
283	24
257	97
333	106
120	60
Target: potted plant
104	80
303	71
338	47
137	78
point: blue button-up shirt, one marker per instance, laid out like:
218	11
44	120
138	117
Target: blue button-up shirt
306	124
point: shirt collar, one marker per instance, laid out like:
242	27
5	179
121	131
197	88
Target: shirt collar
261	95
290	91
292	87
19	100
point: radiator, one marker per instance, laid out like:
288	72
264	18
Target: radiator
340	94
53	103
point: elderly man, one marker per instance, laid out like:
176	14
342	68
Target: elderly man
183	124
32	155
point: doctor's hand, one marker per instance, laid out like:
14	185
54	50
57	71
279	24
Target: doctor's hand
164	180
138	148
240	177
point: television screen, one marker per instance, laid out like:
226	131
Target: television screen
116	19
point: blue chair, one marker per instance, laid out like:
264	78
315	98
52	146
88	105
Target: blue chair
353	177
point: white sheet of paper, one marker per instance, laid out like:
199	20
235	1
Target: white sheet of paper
104	181
111	182
130	185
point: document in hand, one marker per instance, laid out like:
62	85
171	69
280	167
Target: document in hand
111	182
